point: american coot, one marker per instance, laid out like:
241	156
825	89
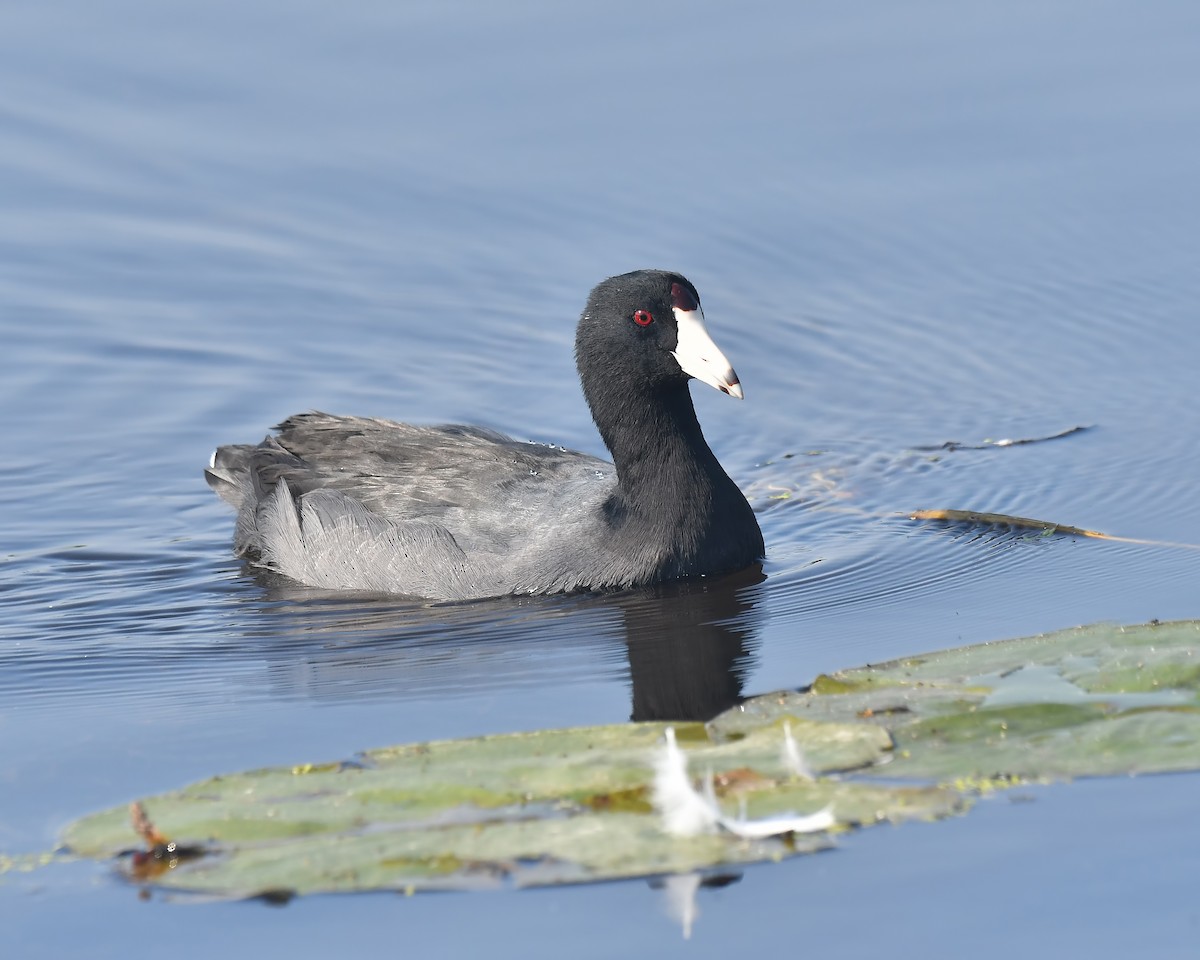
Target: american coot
458	512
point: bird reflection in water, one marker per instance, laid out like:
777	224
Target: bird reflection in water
689	644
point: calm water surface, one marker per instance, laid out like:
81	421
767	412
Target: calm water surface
911	226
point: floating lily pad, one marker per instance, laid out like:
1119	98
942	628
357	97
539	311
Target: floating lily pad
1095	700
561	806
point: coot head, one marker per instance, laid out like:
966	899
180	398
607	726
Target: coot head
643	334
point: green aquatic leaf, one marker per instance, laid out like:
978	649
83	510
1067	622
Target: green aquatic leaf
564	806
1096	700
549	806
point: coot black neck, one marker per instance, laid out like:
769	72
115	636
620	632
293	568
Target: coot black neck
673	497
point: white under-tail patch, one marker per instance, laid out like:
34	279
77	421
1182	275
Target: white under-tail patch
793	757
686	812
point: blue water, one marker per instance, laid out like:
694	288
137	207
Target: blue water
910	224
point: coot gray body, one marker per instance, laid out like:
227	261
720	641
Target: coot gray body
459	512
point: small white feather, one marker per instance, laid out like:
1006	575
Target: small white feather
685	812
774	826
793	756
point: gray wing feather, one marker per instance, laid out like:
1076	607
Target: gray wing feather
327	539
448	512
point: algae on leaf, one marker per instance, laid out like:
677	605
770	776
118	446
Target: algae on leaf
1096	700
563	806
550	806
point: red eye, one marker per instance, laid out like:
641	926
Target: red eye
643	318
